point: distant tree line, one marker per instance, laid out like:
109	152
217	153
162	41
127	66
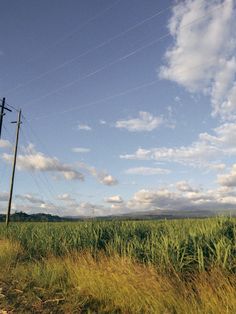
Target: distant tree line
21	216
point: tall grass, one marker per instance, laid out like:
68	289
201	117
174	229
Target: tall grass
178	266
177	245
80	283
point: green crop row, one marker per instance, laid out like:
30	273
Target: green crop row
181	245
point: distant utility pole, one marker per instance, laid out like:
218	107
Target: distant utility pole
2	114
13	167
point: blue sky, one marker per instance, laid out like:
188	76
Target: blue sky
128	105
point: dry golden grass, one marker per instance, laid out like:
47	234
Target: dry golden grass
81	284
8	253
124	285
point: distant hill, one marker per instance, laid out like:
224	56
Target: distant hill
178	214
21	216
147	215
170	214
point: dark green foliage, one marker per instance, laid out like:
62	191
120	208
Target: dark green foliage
40	217
182	245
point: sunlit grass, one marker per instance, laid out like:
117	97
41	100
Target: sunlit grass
184	266
182	245
9	253
80	283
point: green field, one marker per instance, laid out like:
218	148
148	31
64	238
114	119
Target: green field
172	266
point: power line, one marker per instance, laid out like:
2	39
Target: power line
45	186
118	60
51	191
74	31
18	122
104	43
12	107
2	114
127	91
42	175
120	94
3	168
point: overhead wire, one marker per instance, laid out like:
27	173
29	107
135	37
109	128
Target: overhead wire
120	94
102	44
40	180
52	191
44	187
12	107
33	133
11	148
4	168
89	104
116	61
74	31
36	179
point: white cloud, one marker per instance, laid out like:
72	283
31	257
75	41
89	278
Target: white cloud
184	197
65	197
184	186
147	171
103	122
32	160
115	199
84	127
228	180
219	167
107	179
81	150
202	57
224	137
4	196
102	176
195	154
5	144
30	198
205	152
189	199
145	122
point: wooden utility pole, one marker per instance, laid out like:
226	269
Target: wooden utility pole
2	114
13	167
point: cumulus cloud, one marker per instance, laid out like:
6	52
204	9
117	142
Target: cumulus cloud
189	199
184	186
224	137
181	196
107	179
145	122
65	197
4	196
115	199
194	154
204	152
32	160
5	144
147	171
102	176
30	203
219	167
202	57
30	198
228	180
84	127
81	150
102	122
